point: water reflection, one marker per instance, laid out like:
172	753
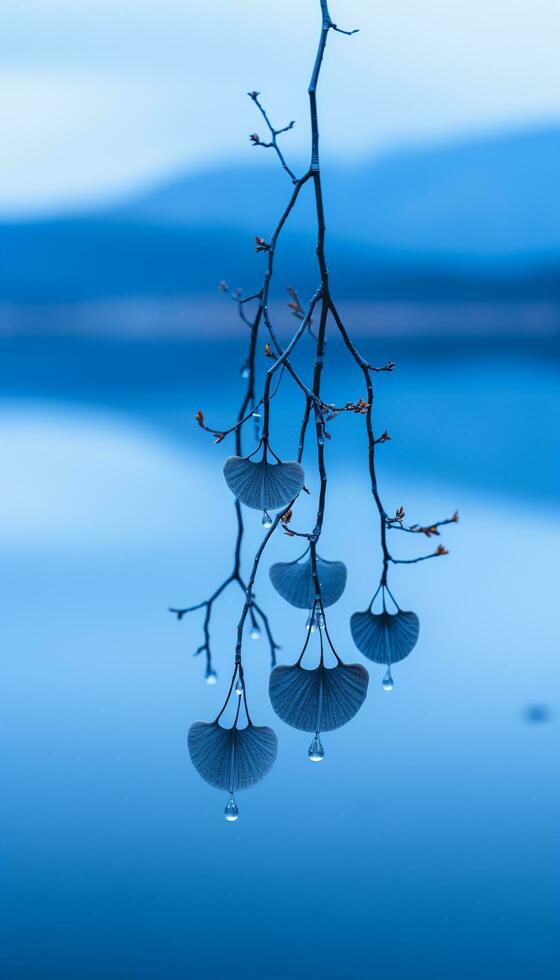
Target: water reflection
100	801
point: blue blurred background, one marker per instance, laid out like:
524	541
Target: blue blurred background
426	843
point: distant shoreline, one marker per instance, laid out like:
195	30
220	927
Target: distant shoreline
213	318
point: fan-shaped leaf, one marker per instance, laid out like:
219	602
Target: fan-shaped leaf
318	700
294	581
231	758
263	485
384	637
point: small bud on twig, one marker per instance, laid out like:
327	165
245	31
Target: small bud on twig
295	305
261	245
384	437
428	531
440	550
200	417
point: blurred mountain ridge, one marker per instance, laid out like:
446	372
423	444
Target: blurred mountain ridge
476	219
491	196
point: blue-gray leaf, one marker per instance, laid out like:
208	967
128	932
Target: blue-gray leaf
263	485
384	637
231	758
318	700
294	581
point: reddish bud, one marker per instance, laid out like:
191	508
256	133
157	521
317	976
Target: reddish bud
429	531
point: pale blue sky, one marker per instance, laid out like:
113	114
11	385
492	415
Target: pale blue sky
102	95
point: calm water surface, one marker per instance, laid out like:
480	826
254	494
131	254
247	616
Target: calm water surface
426	844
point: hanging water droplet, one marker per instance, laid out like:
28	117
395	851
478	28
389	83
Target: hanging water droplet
316	751
211	676
239	687
255	633
231	811
311	624
245	371
387	681
266	519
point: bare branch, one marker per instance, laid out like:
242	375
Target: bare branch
256	140
317	409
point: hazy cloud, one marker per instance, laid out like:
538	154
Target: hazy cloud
108	93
